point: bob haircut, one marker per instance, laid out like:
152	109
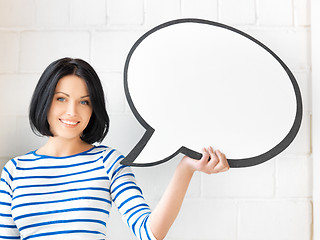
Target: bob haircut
98	125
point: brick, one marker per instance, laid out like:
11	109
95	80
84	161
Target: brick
19	87
9	52
9	96
16	13
85	12
237	12
39	49
27	140
294	177
292	46
8	136
302	12
125	12
256	181
110	49
124	132
302	142
304	81
154	180
275	13
204	9
275	219
52	13
160	11
205	219
26	85
114	92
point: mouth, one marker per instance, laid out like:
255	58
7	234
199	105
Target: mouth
69	123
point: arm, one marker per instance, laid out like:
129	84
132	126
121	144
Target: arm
169	206
8	228
128	198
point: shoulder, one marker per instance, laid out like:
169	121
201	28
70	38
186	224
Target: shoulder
10	167
109	154
111	158
14	162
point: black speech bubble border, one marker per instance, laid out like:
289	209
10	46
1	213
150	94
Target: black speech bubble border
234	163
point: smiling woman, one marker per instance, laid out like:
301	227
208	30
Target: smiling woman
65	189
69	89
70	110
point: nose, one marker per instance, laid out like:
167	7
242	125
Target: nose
72	110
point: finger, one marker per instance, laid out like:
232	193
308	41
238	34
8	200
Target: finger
214	160
225	169
221	156
203	162
223	164
205	155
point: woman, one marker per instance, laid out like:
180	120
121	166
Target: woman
64	190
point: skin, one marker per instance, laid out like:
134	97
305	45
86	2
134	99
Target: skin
72	102
163	216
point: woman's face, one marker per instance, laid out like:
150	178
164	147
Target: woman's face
70	109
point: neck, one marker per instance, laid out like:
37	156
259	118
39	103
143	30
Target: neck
60	147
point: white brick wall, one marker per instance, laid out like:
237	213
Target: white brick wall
253	182
110	49
45	47
274	219
52	13
125	12
17	13
9	47
206	9
206	219
269	201
159	11
277	13
237	12
84	12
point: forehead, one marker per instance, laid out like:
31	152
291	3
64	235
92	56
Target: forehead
72	85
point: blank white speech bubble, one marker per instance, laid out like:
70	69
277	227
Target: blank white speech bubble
192	83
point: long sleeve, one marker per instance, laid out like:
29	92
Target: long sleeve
8	229
129	200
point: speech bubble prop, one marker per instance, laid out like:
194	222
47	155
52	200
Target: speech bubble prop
192	83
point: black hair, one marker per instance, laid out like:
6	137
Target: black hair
98	125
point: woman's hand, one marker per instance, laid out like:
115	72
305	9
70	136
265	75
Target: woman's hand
163	216
212	161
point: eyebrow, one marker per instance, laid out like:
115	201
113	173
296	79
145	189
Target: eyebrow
69	95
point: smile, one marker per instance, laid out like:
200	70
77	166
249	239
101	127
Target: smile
69	123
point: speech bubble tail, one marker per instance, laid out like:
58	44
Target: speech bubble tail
148	153
131	157
190	153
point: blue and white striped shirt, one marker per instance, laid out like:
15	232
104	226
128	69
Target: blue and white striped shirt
45	197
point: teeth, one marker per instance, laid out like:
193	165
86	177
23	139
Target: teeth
68	122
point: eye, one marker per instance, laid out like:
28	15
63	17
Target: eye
61	99
84	102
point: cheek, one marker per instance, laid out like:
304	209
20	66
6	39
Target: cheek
53	111
87	114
